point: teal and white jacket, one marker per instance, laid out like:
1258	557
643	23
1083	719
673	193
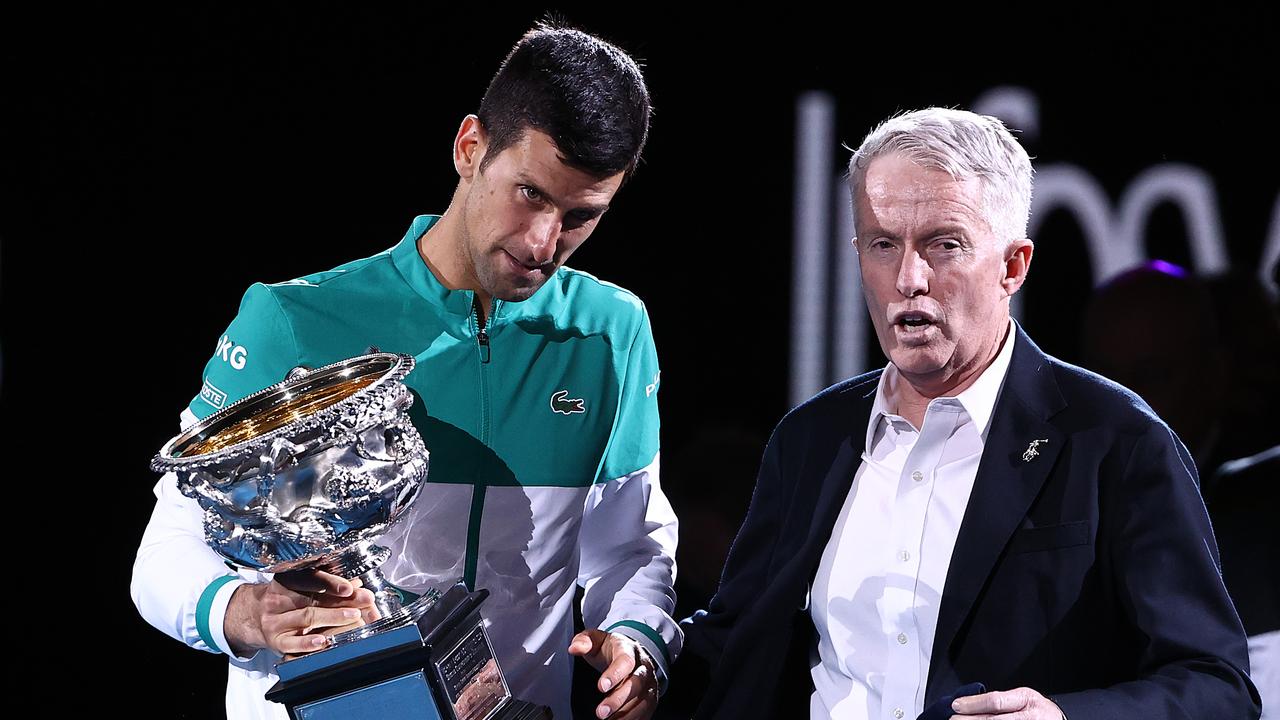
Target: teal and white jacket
543	432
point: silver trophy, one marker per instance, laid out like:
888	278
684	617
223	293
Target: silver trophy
308	474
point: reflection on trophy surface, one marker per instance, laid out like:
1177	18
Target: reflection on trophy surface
306	474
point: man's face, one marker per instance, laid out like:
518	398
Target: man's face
936	279
526	213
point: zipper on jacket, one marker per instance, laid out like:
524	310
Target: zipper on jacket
482	340
482	335
479	488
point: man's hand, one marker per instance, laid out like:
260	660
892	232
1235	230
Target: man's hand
1017	704
295	612
626	669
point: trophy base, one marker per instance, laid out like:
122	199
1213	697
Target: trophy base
440	667
521	710
404	615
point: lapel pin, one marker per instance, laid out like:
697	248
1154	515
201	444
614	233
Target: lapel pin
1032	451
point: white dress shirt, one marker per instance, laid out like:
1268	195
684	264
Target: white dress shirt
875	597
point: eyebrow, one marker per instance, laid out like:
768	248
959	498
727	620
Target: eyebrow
875	232
585	212
933	232
947	229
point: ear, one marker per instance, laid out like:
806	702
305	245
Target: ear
1017	262
469	147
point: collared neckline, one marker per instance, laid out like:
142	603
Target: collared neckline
415	272
978	400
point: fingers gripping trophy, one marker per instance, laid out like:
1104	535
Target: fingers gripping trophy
306	475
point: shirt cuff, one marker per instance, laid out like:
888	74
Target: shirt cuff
211	611
651	641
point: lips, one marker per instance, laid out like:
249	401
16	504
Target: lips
523	268
913	319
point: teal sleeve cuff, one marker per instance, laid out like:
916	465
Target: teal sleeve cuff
205	611
652	643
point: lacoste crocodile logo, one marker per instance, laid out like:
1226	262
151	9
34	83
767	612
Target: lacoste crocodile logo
565	405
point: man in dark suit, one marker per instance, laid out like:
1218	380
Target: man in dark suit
978	512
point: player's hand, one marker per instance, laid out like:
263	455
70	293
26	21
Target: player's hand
628	675
295	612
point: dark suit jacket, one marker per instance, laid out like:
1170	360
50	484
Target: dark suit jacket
1088	573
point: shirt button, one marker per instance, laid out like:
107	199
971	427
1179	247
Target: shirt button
898	713
902	638
917	476
904	556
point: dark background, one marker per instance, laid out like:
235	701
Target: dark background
161	161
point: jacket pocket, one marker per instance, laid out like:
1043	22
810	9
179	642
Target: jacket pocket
1050	537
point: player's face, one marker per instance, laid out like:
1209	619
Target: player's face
526	213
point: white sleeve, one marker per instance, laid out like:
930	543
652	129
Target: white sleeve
180	586
628	568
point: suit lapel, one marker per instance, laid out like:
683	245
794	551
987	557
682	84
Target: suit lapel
838	479
812	519
835	489
1009	478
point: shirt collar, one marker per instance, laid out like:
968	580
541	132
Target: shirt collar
978	400
415	272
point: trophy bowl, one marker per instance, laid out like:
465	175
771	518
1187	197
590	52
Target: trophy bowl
308	473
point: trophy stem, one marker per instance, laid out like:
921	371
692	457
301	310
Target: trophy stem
385	597
361	561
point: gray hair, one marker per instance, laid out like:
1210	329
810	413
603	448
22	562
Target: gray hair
965	145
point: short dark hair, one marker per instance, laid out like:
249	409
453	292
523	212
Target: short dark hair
589	96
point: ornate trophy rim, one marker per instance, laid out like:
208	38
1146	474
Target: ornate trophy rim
165	460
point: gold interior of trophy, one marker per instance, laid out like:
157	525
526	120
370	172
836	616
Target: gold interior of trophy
285	410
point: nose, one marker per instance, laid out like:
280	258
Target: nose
542	236
913	275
